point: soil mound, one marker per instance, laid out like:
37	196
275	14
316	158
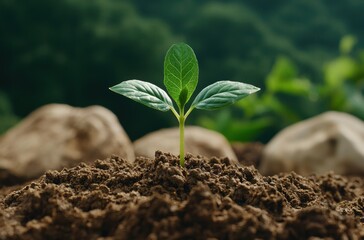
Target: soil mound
157	199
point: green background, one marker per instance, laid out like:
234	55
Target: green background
304	54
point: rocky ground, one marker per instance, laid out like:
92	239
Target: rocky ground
157	199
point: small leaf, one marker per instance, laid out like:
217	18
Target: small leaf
180	72
183	97
145	93
221	94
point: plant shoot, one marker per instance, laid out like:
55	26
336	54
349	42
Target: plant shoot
180	78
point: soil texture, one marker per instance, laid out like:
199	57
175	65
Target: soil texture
157	199
248	154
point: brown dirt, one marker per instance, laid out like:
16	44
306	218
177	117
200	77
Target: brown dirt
157	199
248	154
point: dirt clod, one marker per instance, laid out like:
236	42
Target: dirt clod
157	199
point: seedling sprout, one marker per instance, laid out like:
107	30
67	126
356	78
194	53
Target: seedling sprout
180	79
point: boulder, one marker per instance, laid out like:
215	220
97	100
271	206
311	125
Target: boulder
198	141
332	141
57	136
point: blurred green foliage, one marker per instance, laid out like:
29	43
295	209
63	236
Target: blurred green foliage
7	117
288	98
71	51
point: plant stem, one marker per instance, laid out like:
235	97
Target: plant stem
182	138
188	112
174	112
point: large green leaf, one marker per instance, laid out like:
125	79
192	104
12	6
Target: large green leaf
221	94
145	93
180	73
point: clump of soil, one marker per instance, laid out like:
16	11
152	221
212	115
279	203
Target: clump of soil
157	199
248	154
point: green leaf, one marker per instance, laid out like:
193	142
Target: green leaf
145	93
183	97
221	94
180	72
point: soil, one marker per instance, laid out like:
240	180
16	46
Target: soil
248	154
157	199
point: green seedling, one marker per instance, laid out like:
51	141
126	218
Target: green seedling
180	79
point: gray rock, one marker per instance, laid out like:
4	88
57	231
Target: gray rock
198	141
332	141
57	136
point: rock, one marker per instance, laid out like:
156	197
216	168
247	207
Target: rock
57	136
332	141
198	141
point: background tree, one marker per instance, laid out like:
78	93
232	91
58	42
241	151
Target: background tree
51	49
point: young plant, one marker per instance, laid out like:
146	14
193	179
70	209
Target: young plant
180	79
